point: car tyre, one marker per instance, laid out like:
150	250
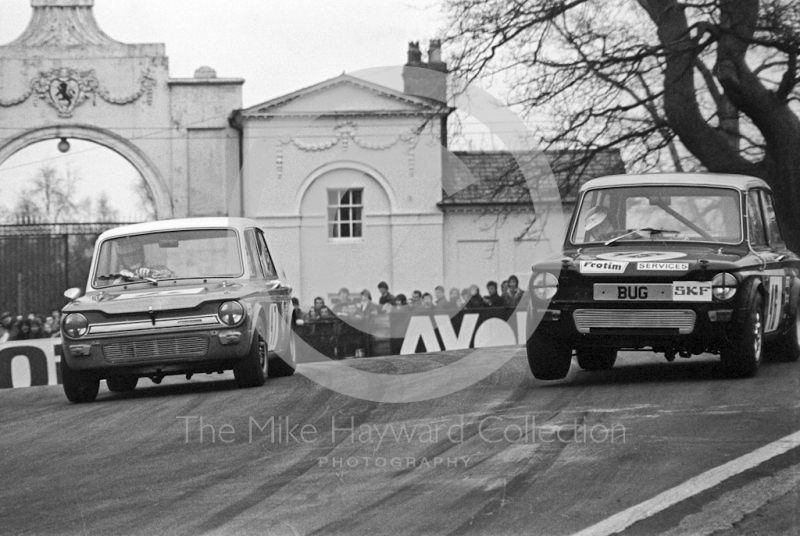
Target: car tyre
121	384
251	371
278	367
742	358
78	386
593	359
548	358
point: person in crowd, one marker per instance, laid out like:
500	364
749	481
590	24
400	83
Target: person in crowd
10	328
475	301
365	310
24	330
504	287
36	331
3	328
366	307
48	327
56	314
400	303
455	299
386	297
297	310
344	307
416	299
320	311
493	299
514	294
440	302
427	303
465	296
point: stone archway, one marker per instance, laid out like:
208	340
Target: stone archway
65	77
120	145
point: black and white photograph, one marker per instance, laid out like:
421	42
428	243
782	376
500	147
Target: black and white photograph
400	267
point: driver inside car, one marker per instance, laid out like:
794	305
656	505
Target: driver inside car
598	228
131	257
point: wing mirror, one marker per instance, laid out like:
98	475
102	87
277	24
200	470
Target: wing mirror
73	294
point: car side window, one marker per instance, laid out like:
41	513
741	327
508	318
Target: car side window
263	250
773	229
755	220
251	251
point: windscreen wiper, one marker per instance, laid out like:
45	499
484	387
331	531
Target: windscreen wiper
126	278
642	229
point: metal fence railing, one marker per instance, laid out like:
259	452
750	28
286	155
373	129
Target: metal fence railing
39	261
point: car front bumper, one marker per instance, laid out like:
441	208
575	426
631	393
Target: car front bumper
696	327
163	353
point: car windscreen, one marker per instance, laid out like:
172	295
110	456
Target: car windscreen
183	254
659	213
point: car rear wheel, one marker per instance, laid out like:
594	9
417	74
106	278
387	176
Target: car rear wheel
548	358
121	384
78	386
284	365
742	357
251	371
596	358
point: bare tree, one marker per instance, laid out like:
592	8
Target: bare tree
699	84
50	198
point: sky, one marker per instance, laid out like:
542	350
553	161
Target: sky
276	46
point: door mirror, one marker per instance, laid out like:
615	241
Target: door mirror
73	293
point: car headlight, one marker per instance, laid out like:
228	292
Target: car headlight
544	285
231	313
75	325
723	286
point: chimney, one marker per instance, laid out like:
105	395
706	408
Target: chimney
414	54
435	53
426	79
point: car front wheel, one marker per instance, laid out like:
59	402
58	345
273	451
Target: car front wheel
548	358
742	357
78	386
251	371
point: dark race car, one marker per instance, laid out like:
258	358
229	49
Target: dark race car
177	297
680	264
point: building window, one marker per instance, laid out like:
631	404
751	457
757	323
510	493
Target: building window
345	213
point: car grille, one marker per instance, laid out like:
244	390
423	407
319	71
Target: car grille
134	351
587	320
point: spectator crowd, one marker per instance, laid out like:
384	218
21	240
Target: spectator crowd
508	294
33	326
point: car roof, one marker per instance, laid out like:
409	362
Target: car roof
179	224
740	182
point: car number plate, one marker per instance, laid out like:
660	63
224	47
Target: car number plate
628	292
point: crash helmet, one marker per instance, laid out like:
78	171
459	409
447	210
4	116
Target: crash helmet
595	217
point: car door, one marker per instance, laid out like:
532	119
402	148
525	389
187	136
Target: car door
279	298
771	272
782	265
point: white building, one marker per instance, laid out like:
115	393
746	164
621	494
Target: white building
348	177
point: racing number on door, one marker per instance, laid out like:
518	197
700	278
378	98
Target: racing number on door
274	325
774	303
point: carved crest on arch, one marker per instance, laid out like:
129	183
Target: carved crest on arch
64	88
